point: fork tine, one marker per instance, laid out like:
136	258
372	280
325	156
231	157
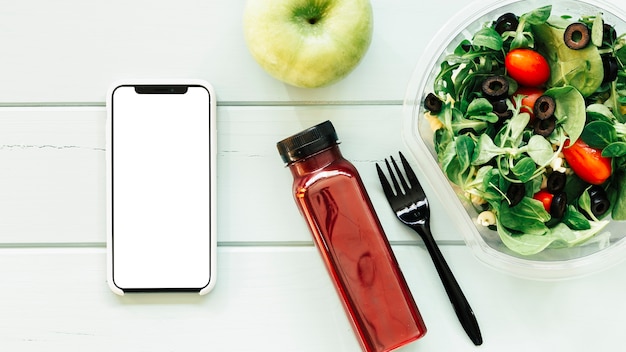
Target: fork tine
385	183
393	178
413	181
405	187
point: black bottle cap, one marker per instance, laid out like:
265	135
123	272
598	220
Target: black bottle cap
307	142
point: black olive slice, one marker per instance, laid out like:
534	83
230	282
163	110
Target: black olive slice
500	106
433	103
609	63
502	116
467	130
559	204
577	36
506	22
544	107
515	193
545	127
599	201
495	87
556	182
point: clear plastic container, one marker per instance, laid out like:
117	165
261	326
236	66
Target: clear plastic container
604	250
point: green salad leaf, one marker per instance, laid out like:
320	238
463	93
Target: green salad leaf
557	237
599	134
523	36
570	109
487	37
581	68
540	150
528	217
619	208
615	150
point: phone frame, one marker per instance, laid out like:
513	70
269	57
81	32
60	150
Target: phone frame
167	83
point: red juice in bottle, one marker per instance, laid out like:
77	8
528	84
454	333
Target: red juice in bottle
330	195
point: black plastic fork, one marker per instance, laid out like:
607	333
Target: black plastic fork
409	202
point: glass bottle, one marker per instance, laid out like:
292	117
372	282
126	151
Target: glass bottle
330	195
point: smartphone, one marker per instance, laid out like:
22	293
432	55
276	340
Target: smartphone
161	167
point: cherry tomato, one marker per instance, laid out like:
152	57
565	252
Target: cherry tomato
527	67
545	198
528	103
587	162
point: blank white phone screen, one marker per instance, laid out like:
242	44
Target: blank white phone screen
161	189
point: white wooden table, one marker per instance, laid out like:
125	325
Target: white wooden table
57	59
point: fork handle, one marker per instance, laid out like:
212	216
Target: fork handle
461	306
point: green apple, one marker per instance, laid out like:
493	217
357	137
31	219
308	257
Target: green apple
308	43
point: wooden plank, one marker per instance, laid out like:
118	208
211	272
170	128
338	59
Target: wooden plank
280	298
52	184
71	51
52	179
251	161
